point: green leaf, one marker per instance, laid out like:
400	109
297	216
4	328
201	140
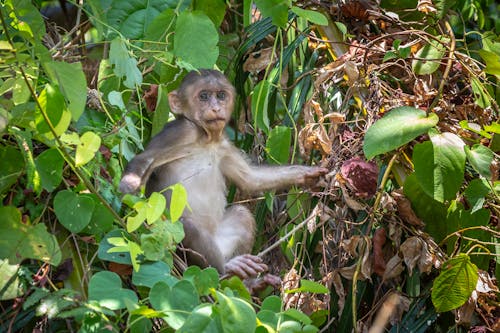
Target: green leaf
277	10
429	57
74	211
203	280
49	165
298	316
480	157
272	303
440	165
106	288
155	207
260	104
201	320
195	39
135	221
131	18
476	193
86	149
151	273
278	144
164	237
10	284
398	127
52	103
72	84
11	167
177	301
492	61
105	246
215	10
178	201
236	315
101	220
312	16
20	241
454	285
124	64
309	287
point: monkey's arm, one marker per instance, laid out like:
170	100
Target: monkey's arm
172	143
251	178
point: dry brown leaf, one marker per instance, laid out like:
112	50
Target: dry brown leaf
314	136
151	97
416	252
394	268
339	289
335	117
323	212
426	6
405	210
379	264
354	246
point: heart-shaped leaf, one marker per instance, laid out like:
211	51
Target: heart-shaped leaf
89	145
398	127
49	165
106	288
151	273
73	211
178	301
480	157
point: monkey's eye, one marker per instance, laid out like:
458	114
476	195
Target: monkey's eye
221	95
203	96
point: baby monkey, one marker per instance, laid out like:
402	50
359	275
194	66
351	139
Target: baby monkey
194	151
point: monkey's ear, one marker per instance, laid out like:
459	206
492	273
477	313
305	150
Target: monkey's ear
175	103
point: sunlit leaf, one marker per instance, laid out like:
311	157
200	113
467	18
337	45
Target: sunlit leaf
480	157
178	201
309	287
277	10
398	127
315	17
428	58
86	149
454	285
195	39
72	83
20	241
52	103
124	64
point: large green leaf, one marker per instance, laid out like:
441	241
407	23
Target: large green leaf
49	165
439	165
131	18
11	166
476	193
177	301
313	16
278	144
19	241
74	211
201	320
215	9
101	220
398	127
72	84
195	39
106	288
454	285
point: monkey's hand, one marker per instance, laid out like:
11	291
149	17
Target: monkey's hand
130	183
245	266
311	175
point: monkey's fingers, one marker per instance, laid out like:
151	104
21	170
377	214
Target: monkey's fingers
130	183
245	266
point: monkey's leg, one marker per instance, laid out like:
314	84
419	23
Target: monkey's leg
235	237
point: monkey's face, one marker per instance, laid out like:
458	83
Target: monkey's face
211	105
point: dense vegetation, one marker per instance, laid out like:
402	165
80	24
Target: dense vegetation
398	99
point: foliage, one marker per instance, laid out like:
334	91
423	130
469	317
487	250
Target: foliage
398	100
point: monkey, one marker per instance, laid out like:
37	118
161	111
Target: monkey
193	150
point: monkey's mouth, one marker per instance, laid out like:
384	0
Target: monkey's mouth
215	120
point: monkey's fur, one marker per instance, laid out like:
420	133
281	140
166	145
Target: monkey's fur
194	151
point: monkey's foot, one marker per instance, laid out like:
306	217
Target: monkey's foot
245	266
257	285
130	183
